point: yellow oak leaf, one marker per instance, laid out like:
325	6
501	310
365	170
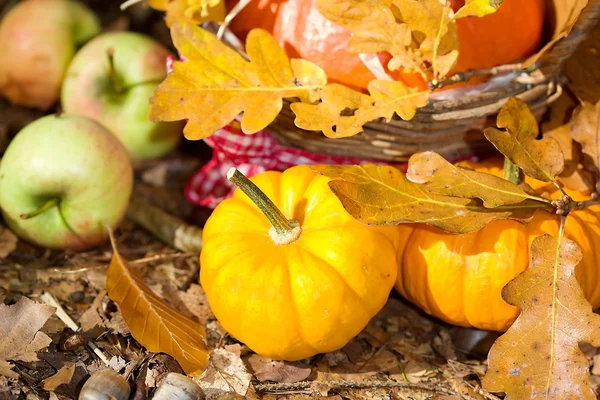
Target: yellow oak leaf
540	159
342	111
477	8
539	355
374	29
215	83
421	35
382	195
192	11
442	177
432	24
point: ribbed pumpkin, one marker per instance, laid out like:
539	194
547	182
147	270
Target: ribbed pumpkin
509	35
459	278
293	293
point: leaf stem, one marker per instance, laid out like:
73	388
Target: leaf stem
286	230
582	205
436	43
45	207
466	75
512	173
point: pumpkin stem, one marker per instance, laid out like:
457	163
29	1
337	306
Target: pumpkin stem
284	231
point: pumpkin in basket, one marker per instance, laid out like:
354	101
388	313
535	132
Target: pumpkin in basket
512	33
459	278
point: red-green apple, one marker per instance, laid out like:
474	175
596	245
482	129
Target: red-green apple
62	178
111	80
38	39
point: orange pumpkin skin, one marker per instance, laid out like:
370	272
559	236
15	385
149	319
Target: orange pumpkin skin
459	278
509	35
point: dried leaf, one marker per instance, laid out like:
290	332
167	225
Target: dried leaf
226	373
6	369
20	324
266	369
438	43
215	83
438	176
8	242
373	25
381	195
574	175
342	111
152	322
585	129
421	35
62	377
539	356
540	159
566	13
478	8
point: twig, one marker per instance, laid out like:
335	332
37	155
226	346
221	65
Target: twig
306	385
230	16
466	75
477	389
588	203
166	227
64	317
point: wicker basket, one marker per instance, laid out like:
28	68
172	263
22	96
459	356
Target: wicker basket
453	128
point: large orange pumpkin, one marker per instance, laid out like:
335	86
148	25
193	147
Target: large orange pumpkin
458	278
509	35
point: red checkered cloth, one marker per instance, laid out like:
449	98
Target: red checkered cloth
251	154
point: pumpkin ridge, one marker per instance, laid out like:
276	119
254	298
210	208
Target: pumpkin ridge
295	306
586	227
337	273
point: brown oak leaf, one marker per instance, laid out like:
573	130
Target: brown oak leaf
539	355
382	195
215	83
266	369
442	177
20	336
575	175
540	159
585	129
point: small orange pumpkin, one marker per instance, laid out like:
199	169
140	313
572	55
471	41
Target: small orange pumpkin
299	281
459	278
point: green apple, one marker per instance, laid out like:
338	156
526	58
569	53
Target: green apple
38	39
111	80
62	178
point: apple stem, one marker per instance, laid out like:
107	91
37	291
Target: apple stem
112	71
148	82
45	207
284	231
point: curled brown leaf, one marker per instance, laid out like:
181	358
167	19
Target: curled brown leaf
153	322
